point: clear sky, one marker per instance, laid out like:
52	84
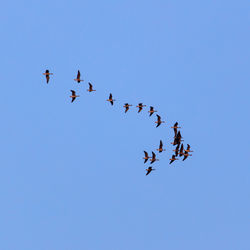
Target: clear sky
72	174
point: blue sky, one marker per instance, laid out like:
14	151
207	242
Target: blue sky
72	174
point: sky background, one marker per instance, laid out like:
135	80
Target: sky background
72	174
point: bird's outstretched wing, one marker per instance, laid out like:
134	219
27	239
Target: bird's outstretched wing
78	75
177	150
158	118
181	150
175	132
73	98
73	92
185	157
153	155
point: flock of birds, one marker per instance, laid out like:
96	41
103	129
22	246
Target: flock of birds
179	149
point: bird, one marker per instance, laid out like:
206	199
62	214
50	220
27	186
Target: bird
175	128
177	150
140	106
177	139
149	169
78	77
151	111
126	106
188	149
73	96
90	89
153	158
172	159
146	157
181	150
160	149
159	121
47	75
111	100
186	156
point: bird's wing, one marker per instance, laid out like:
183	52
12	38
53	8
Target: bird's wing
47	78
127	108
188	147
181	150
161	144
73	98
176	153
158	125
176	124
73	92
78	74
153	155
90	86
112	103
185	157
171	161
146	154
140	109
151	108
110	96
145	160
175	132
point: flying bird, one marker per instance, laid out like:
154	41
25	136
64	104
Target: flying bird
47	75
73	96
188	149
111	100
149	170
177	150
90	89
140	106
151	111
146	157
153	159
186	156
177	139
172	159
78	77
160	149
181	150
159	121
126	106
175	128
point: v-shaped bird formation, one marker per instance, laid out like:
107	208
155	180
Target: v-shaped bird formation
178	139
